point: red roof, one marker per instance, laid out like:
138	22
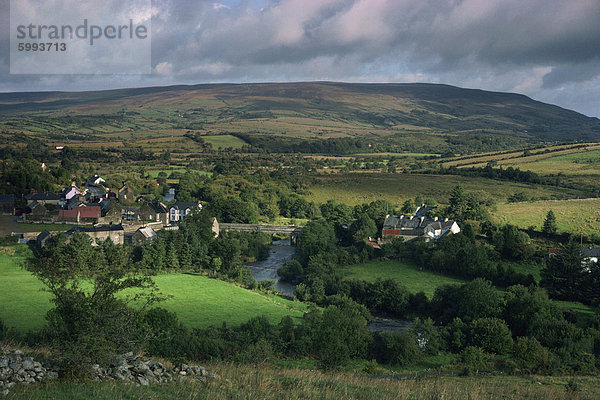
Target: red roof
84	212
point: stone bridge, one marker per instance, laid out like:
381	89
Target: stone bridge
291	230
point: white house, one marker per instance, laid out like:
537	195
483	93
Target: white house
181	209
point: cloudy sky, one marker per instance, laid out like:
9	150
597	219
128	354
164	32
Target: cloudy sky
546	49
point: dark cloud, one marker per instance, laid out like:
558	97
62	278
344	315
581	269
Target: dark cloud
547	49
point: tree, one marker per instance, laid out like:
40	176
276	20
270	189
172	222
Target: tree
343	334
565	273
550	227
92	322
491	334
408	208
363	228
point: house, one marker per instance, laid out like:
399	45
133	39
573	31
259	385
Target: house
142	235
215	226
111	212
35	212
81	214
94	193
7	204
153	211
590	254
95	180
43	239
180	209
99	234
125	194
69	192
411	227
43	198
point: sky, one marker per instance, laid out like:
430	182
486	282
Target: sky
546	49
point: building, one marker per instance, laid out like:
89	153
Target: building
43	198
153	211
412	227
215	226
143	235
125	194
180	209
99	234
95	180
7	204
81	214
35	212
111	212
69	192
43	239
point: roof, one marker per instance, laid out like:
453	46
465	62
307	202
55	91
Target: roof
413	222
157	207
184	205
94	180
148	232
42	196
589	252
104	228
423	210
84	212
7	198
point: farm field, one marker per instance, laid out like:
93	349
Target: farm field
425	281
575	216
406	273
224	141
356	188
197	300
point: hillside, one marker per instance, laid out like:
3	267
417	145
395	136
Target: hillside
273	115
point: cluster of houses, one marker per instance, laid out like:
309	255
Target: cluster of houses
95	204
418	225
100	212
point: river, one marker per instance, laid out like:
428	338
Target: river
280	252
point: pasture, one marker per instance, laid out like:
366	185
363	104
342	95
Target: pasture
408	274
197	300
356	188
574	216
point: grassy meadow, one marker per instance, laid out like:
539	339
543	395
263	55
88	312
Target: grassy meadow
406	273
356	188
268	382
197	300
575	215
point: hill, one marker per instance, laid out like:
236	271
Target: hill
283	115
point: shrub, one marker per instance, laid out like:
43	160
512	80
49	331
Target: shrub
397	348
491	334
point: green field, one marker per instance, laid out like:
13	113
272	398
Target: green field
575	216
197	300
224	141
417	280
408	274
356	188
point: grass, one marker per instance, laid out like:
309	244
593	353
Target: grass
224	141
417	280
198	300
406	273
238	381
575	216
357	188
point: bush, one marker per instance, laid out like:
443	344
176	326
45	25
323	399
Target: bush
290	271
491	334
473	359
531	356
397	348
